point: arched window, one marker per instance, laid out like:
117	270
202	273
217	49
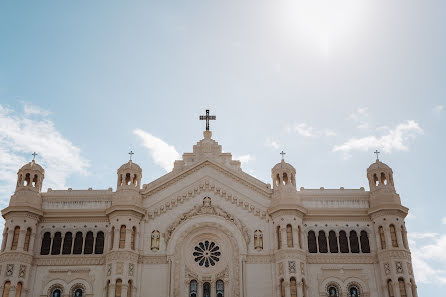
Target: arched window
285	178
67	243
382	238
402	286
343	242
5	239
279	238
78	242
78	292
18	290
365	245
383	178
393	236
322	242
332	291
258	240
155	241
289	236
129	288
193	288
112	237
312	246
132	238
99	246
333	241
15	238
354	242
6	289
57	242
107	289
46	243
293	287
27	239
56	292
390	288
299	231
353	291
277	179
122	234
404	235
206	289
89	242
118	288
282	288
220	288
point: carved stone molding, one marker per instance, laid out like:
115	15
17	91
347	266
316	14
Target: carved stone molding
153	259
258	259
342	259
388	254
122	256
16	257
64	261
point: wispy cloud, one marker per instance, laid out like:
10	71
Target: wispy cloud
30	109
360	116
443	220
305	130
394	140
272	143
162	153
438	109
244	158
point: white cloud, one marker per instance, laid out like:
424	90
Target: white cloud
329	132
244	158
438	108
417	235
34	110
306	130
360	116
303	129
272	143
443	220
395	139
162	153
20	136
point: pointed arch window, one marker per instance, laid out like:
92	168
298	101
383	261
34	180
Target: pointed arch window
279	238
390	288
333	242
27	239
206	289
5	239
67	243
132	238
312	245
343	242
15	238
129	288
322	242
193	288
299	233
46	243
18	290
393	236
365	245
354	242
293	287
122	234
112	237
99	246
220	288
78	242
118	288
402	286
289	236
57	242
282	288
89	242
404	235
382	237
6	289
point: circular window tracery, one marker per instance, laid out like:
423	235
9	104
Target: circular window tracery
207	253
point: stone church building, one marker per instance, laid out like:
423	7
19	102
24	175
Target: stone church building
206	229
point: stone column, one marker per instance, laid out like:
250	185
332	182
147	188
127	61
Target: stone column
295	237
124	289
377	240
12	290
299	284
9	241
116	239
32	241
21	242
396	289
408	289
283	237
199	288
386	289
287	288
128	236
111	290
387	237
399	238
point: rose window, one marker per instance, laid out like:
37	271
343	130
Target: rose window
207	253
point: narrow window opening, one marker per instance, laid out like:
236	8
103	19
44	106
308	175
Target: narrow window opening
322	241
333	241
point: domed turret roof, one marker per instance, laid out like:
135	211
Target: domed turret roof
283	166
130	165
378	165
32	166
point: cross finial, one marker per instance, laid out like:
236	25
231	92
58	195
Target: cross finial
283	154
34	155
207	118
131	153
377	154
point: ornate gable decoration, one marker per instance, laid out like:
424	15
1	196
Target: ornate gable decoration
207	209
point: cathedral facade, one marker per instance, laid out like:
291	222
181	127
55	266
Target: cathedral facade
206	229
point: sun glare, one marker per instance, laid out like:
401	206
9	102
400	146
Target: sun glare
323	24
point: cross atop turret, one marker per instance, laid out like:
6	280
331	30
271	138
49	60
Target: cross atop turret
207	118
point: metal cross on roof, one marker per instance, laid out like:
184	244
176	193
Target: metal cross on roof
207	118
131	153
283	154
34	155
377	153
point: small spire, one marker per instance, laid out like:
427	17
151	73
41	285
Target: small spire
377	154
131	153
34	155
283	154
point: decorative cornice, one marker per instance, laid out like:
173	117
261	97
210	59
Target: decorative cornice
285	254
16	257
122	255
259	259
342	259
386	210
126	210
152	259
69	260
389	254
28	210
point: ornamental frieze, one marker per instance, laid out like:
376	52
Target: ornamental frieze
351	259
63	261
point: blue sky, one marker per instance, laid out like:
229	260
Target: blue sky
83	82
